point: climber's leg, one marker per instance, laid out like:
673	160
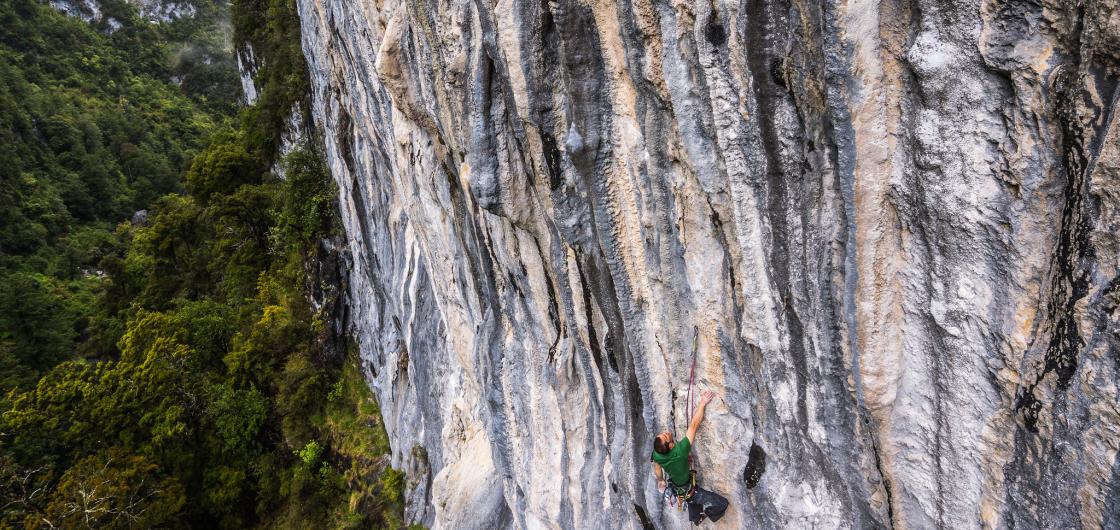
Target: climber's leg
706	504
695	509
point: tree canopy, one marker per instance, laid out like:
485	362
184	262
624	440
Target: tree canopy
161	363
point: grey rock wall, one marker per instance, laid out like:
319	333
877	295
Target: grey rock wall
153	11
890	226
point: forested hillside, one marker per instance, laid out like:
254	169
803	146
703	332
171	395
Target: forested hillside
160	361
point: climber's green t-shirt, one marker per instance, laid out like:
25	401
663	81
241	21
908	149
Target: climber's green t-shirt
675	462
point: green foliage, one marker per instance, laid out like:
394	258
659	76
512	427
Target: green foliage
92	125
310	453
138	402
169	258
209	327
309	206
272	29
113	489
336	392
234	417
392	484
37	321
222	168
94	128
170	373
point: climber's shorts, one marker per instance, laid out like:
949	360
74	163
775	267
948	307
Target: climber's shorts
706	504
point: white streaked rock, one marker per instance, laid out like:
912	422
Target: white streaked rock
890	225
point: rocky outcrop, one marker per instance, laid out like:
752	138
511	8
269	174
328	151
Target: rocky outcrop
154	11
164	10
87	10
889	225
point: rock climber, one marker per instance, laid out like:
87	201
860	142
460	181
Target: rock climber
671	465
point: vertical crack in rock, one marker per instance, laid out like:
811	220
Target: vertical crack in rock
643	518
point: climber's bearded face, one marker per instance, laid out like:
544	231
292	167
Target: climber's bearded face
667	437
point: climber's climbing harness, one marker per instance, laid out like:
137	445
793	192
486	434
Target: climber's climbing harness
683	493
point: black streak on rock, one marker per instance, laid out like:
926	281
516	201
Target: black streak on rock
643	518
766	96
552	158
345	139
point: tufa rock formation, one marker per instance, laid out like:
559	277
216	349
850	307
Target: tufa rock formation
890	224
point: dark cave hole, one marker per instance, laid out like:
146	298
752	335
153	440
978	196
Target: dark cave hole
756	466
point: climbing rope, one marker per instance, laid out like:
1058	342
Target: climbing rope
675	494
688	398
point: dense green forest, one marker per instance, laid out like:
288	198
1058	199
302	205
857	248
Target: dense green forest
165	368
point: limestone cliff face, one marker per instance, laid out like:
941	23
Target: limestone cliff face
890	226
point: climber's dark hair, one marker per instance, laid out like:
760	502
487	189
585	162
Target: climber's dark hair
659	445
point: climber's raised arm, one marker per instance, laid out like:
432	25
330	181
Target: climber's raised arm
675	475
698	416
